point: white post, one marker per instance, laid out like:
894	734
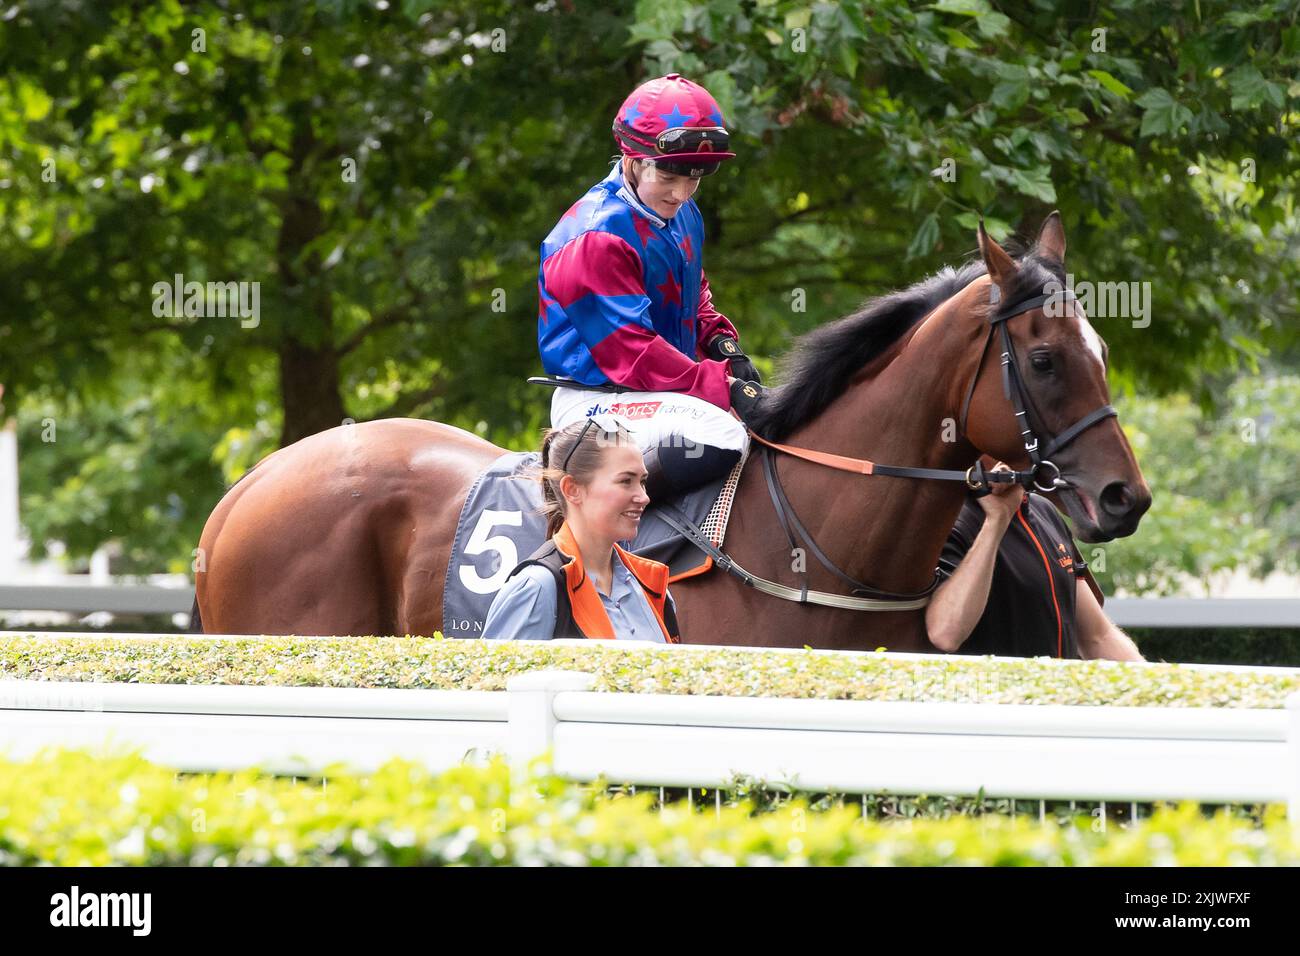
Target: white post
1293	758
10	545
99	567
530	714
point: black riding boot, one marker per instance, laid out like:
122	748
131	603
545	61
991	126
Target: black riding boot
673	468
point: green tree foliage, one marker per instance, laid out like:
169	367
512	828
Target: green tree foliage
1165	134
1226	493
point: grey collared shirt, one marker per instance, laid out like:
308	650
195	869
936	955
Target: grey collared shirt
525	607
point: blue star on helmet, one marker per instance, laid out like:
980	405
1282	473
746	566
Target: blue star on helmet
632	114
716	118
675	118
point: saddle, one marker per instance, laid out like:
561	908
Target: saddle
501	524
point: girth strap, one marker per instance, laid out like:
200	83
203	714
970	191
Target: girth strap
689	530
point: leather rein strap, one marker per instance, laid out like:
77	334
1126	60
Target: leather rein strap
864	597
1013	386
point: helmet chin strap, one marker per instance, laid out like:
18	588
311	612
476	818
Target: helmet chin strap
635	180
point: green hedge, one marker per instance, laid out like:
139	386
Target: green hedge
1274	647
486	665
1270	646
69	808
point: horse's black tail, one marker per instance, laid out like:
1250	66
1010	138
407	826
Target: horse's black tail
196	620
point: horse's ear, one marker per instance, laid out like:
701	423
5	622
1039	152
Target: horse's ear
1051	238
1000	265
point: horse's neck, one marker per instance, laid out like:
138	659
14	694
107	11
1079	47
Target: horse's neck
882	530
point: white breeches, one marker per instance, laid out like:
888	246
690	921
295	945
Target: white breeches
654	418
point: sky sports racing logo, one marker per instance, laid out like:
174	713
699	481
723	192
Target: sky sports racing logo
632	411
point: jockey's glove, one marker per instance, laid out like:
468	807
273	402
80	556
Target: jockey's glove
746	398
725	348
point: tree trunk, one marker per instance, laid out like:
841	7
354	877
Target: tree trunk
309	361
309	390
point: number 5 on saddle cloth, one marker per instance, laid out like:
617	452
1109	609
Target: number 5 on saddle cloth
501	524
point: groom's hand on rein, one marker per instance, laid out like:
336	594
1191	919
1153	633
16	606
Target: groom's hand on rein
1003	499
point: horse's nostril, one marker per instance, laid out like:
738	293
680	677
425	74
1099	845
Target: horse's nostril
1117	499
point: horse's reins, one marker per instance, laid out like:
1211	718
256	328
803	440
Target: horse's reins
866	597
1013	387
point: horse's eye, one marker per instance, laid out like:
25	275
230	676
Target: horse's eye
1041	361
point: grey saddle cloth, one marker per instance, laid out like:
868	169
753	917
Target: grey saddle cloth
501	525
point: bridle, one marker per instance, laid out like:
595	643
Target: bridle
1016	392
865	597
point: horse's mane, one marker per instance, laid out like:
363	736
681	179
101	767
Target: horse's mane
818	368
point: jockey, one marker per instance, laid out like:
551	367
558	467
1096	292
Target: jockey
624	300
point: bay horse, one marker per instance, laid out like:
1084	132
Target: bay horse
349	531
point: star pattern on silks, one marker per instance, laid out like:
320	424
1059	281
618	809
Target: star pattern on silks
645	229
572	211
716	118
676	117
669	291
543	303
685	246
632	114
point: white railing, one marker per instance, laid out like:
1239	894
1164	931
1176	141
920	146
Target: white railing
1126	612
1204	612
1042	752
85	598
